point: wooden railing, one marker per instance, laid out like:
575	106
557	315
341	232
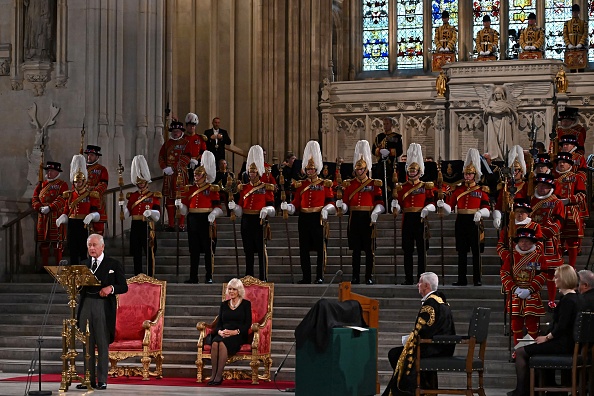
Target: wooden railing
13	243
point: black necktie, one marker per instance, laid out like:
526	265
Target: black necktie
94	266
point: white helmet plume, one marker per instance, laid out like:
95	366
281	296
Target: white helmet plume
255	158
516	154
473	163
139	171
414	154
210	167
313	154
362	152
78	165
191	118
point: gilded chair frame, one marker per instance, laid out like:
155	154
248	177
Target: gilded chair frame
255	357
146	353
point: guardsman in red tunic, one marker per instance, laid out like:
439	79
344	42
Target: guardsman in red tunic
571	190
416	199
174	157
144	206
81	208
549	212
314	200
517	163
472	205
568	144
197	143
98	182
363	196
202	204
522	280
569	125
256	203
521	219
47	201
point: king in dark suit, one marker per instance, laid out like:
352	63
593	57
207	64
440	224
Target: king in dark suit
98	306
217	139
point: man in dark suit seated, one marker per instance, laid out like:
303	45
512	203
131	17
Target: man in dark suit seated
98	306
434	318
586	288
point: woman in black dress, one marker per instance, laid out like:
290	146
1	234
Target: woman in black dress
234	321
559	340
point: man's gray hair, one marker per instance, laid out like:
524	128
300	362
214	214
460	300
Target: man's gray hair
98	237
587	277
430	278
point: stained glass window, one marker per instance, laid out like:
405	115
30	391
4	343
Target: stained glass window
591	31
409	14
437	7
375	35
480	8
556	13
518	20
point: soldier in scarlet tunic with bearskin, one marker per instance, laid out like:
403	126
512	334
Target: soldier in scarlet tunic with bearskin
522	281
256	203
174	157
47	201
472	205
363	196
314	200
517	163
81	208
98	182
549	212
202	204
521	219
197	142
569	125
416	199
571	190
144	206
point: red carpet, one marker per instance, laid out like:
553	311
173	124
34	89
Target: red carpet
177	381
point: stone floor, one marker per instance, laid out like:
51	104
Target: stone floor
18	389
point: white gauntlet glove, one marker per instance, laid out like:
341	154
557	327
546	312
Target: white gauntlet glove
63	219
178	203
147	213
376	212
340	204
425	211
570	46
497	219
477	216
395	206
193	163
168	171
284	205
44	209
216	212
326	210
91	217
579	46
384	153
522	293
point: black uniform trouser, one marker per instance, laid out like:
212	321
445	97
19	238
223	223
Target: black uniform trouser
252	237
412	233
199	242
311	237
359	235
467	238
77	241
138	246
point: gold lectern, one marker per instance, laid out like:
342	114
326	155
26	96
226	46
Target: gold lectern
72	278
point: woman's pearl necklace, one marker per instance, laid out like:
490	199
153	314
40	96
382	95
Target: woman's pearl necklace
233	306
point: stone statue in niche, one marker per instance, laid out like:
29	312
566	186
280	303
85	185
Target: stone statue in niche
5	68
39	33
500	107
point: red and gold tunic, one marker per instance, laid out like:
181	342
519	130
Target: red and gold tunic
79	204
49	193
267	177
98	180
505	241
414	195
523	270
362	196
312	196
549	213
571	186
253	197
521	192
202	199
175	154
138	202
467	200
197	145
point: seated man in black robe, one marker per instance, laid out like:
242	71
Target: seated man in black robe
434	318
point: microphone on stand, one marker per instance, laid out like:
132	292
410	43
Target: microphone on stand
280	366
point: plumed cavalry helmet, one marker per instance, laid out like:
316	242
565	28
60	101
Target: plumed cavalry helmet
78	168
255	160
207	166
139	171
362	156
414	159
313	155
516	159
192	118
472	164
